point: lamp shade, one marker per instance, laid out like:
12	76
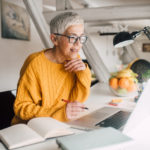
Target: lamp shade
122	39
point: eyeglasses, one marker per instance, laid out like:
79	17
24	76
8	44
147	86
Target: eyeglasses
73	39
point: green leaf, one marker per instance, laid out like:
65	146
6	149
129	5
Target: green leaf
146	75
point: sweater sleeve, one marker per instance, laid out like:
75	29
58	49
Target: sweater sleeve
28	100
79	92
81	88
60	114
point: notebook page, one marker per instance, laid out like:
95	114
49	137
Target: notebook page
49	127
19	135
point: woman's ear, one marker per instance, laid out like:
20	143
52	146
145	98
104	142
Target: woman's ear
54	39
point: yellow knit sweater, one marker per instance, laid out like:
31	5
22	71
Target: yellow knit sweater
43	84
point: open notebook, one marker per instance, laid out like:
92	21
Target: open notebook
36	130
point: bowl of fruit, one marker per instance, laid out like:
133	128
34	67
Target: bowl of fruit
124	82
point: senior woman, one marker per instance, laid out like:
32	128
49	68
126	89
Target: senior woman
54	74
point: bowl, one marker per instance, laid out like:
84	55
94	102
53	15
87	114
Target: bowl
122	92
124	86
124	82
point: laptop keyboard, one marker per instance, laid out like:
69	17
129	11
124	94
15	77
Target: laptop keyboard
117	120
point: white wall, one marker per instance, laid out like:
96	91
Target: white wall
138	46
104	45
109	55
13	53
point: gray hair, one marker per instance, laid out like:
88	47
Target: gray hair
61	22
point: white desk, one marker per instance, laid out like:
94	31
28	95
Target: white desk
99	96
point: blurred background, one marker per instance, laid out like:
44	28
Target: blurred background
103	20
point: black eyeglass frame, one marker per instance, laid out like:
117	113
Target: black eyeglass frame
73	36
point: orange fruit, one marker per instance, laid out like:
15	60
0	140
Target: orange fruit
132	86
124	83
113	82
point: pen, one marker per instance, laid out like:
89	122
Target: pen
66	101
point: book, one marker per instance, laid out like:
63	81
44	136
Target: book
36	130
102	139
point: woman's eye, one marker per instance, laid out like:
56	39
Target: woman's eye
73	37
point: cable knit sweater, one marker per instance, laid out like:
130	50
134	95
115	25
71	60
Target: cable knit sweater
43	84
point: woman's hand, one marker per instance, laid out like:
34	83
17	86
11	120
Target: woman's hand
75	65
73	109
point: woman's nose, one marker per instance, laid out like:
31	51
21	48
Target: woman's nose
78	42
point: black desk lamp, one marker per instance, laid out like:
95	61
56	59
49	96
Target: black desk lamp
125	38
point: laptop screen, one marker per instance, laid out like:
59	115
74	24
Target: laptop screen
140	118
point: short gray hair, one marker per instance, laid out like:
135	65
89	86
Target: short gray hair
61	22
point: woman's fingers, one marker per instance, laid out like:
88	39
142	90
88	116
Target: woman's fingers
73	109
69	62
78	67
75	65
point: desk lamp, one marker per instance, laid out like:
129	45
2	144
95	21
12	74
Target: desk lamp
125	38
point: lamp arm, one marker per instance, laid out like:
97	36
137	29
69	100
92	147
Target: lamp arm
136	33
146	31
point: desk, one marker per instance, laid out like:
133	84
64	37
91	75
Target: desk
99	96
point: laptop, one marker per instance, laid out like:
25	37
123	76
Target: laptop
112	117
138	124
103	117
